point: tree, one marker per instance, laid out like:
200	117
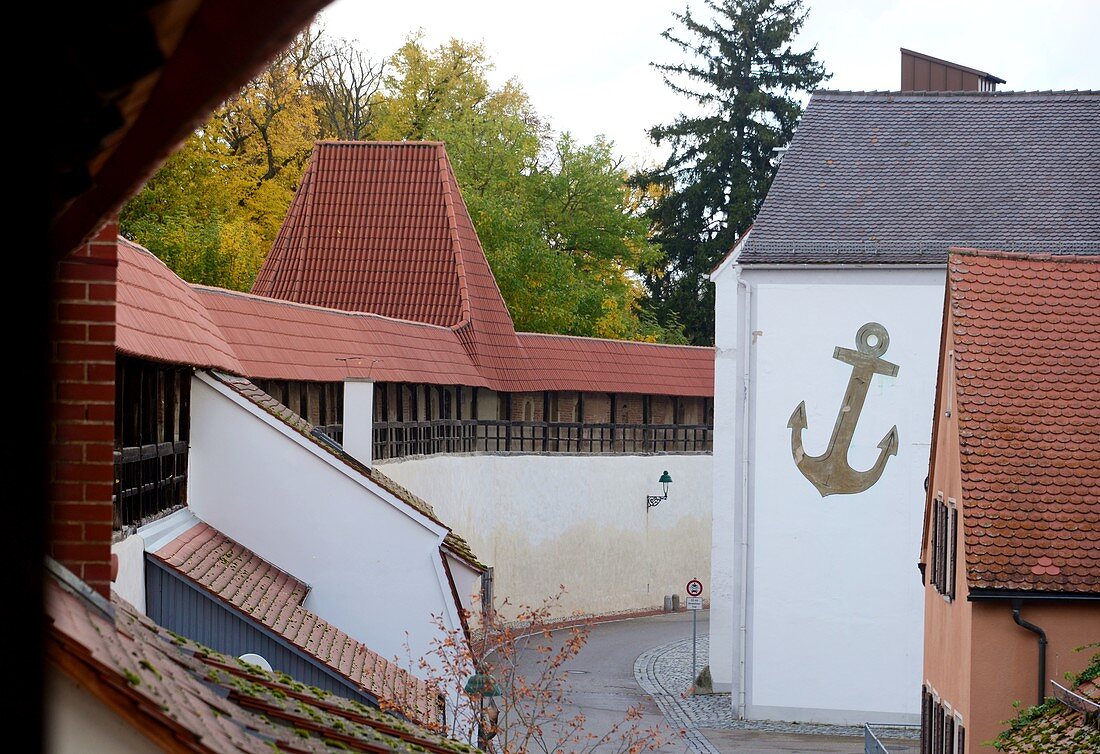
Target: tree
508	688
347	88
559	230
743	74
552	215
213	209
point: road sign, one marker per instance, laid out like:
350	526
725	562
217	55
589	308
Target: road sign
695	603
695	588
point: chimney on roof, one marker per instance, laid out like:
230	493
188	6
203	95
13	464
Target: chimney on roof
924	73
359	419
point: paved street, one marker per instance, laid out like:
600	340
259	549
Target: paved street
646	662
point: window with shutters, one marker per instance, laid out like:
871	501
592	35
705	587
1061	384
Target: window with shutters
941	727
945	530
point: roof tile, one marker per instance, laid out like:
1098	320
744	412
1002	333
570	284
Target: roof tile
1026	329
893	178
234	574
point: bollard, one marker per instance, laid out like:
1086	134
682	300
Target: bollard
668	604
675	603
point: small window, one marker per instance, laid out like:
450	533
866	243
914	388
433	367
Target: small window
528	410
941	727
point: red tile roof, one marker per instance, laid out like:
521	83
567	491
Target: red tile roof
1027	373
161	317
561	362
380	227
190	698
262	592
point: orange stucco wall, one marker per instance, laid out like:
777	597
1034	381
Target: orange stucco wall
975	656
1004	659
947	625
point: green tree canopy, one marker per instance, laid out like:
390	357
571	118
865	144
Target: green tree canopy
554	216
743	75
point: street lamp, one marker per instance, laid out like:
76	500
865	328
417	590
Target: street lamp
652	501
482	685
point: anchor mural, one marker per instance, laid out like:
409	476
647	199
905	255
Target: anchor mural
830	472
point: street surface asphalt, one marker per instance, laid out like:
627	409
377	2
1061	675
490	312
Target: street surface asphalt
601	685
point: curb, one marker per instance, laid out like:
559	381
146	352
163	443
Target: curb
668	701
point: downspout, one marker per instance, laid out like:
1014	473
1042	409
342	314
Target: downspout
1017	605
743	545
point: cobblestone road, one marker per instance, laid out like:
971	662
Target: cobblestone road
664	673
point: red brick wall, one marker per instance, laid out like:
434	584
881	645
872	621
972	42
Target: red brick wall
82	408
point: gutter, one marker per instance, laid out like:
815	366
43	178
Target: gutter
1006	595
1017	605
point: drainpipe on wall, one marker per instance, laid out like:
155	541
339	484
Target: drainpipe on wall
1017	605
743	545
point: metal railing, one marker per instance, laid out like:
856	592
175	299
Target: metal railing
401	439
890	739
148	479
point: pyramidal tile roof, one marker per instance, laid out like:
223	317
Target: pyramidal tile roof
381	227
263	593
1026	329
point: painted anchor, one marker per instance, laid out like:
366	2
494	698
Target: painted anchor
830	472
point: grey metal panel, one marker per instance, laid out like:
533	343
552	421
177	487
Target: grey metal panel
190	611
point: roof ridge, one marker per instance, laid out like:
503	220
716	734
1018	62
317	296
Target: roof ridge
614	340
213	289
369	143
1004	94
464	307
1038	256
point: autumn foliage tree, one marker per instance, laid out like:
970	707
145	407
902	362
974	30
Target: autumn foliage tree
510	691
553	215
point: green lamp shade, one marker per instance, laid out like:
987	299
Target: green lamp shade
481	684
665	478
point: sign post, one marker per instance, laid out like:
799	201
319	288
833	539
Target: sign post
694	604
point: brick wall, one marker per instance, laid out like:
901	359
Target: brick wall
597	408
82	409
628	408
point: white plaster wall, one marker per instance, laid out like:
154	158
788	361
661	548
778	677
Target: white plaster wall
374	568
581	521
78	723
834	597
130	582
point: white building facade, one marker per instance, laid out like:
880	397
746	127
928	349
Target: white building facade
820	464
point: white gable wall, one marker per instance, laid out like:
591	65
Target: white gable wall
373	563
832	597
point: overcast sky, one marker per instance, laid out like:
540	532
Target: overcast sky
585	63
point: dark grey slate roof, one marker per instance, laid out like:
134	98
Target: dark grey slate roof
891	178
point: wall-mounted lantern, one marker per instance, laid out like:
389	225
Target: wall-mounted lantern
652	501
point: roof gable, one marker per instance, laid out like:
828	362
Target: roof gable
897	178
1026	332
389	490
